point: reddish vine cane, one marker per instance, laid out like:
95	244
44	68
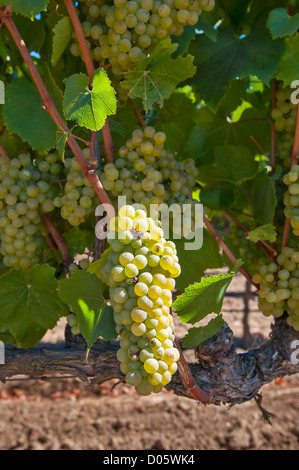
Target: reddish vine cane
184	370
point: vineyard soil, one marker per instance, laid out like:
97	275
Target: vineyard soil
66	414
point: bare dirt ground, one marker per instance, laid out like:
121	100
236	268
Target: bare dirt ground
68	415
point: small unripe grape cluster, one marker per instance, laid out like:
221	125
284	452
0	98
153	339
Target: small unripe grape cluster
279	287
73	323
78	200
284	115
140	272
246	250
291	198
122	32
146	173
26	193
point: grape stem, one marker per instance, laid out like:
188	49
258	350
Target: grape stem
198	393
3	151
227	251
50	242
5	15
59	240
137	113
81	38
108	142
261	149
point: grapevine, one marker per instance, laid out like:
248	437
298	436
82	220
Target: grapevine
218	131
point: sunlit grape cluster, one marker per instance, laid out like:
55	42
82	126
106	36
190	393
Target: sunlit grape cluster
279	287
121	32
140	272
291	198
284	115
146	173
77	200
26	193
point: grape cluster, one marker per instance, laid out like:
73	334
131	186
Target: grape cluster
140	272
146	173
78	199
284	115
246	250
122	32
279	287
26	192
291	198
73	323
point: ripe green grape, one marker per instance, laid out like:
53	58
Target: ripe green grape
26	193
291	200
149	183
147	355
284	116
77	200
122	33
278	286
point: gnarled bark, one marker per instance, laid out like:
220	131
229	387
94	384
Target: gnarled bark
228	376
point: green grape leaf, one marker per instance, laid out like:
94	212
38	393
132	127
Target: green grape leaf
83	291
218	198
233	164
176	120
183	41
190	32
76	241
235	97
204	297
29	303
52	87
7	337
195	262
61	140
264	232
156	77
62	37
93	325
89	108
197	335
96	266
28	8
33	34
263	192
24	113
288	67
281	24
218	63
212	130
